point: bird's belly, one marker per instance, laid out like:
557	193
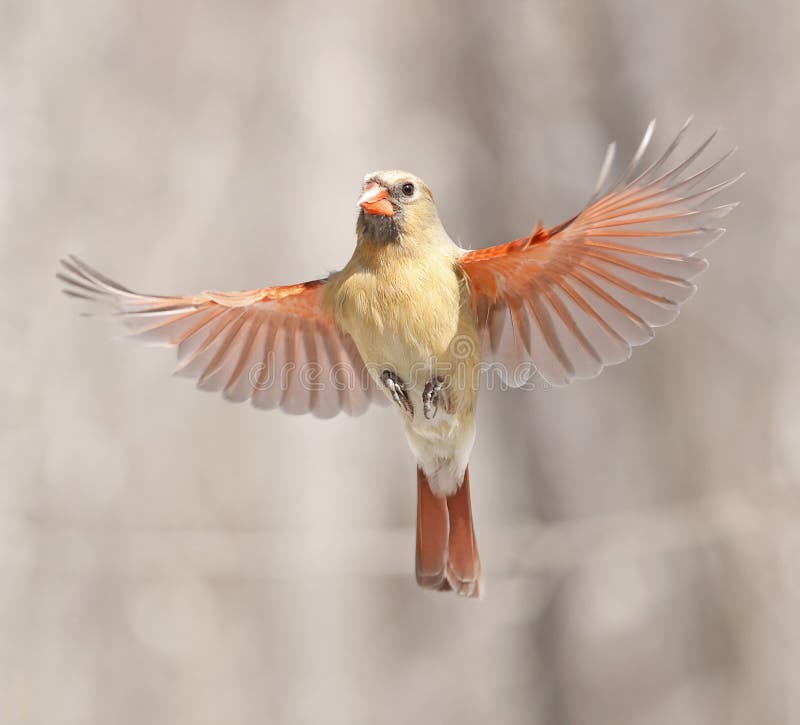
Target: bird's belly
418	359
417	325
401	331
411	354
415	350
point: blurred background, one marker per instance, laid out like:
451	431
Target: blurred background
167	557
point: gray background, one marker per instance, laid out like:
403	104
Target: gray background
166	557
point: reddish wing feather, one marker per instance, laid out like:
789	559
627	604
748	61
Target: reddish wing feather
572	299
275	346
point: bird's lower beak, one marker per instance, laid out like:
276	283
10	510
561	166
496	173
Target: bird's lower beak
375	200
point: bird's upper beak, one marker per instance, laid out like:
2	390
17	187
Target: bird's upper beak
375	200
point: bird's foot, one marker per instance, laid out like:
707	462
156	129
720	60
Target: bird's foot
432	395
397	389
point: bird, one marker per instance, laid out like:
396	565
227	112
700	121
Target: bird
417	322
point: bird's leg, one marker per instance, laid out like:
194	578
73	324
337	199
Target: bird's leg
433	393
398	390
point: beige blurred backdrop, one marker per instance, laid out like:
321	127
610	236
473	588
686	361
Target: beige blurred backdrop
167	557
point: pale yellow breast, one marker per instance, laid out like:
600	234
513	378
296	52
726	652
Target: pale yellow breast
400	314
411	314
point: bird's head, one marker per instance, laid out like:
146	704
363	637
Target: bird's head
395	205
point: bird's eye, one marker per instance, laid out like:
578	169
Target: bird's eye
407	189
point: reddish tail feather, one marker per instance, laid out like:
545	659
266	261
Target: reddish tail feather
447	554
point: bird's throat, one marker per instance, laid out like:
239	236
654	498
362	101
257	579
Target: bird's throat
378	229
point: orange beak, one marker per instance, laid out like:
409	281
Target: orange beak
375	200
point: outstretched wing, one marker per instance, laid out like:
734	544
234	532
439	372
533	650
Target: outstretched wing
570	300
275	346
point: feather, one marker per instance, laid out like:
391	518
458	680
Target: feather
598	284
257	344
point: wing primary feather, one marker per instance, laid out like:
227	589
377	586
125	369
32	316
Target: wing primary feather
638	251
324	398
571	324
696	199
78	295
244	355
714	212
609	160
225	346
655	233
661	160
156	311
631	288
310	348
82	285
644	271
165	323
336	358
268	390
667	176
545	323
196	328
579	300
608	299
105	282
637	157
288	367
684	185
664	179
72	268
605	168
213	333
296	397
520	325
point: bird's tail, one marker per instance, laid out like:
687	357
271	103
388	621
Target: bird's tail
447	555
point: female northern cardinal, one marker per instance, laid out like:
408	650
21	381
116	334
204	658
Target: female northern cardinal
413	318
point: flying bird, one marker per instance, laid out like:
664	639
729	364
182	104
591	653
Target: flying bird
413	320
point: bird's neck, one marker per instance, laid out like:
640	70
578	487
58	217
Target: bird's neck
382	240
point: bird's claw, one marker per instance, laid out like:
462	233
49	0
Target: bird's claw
398	391
430	397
